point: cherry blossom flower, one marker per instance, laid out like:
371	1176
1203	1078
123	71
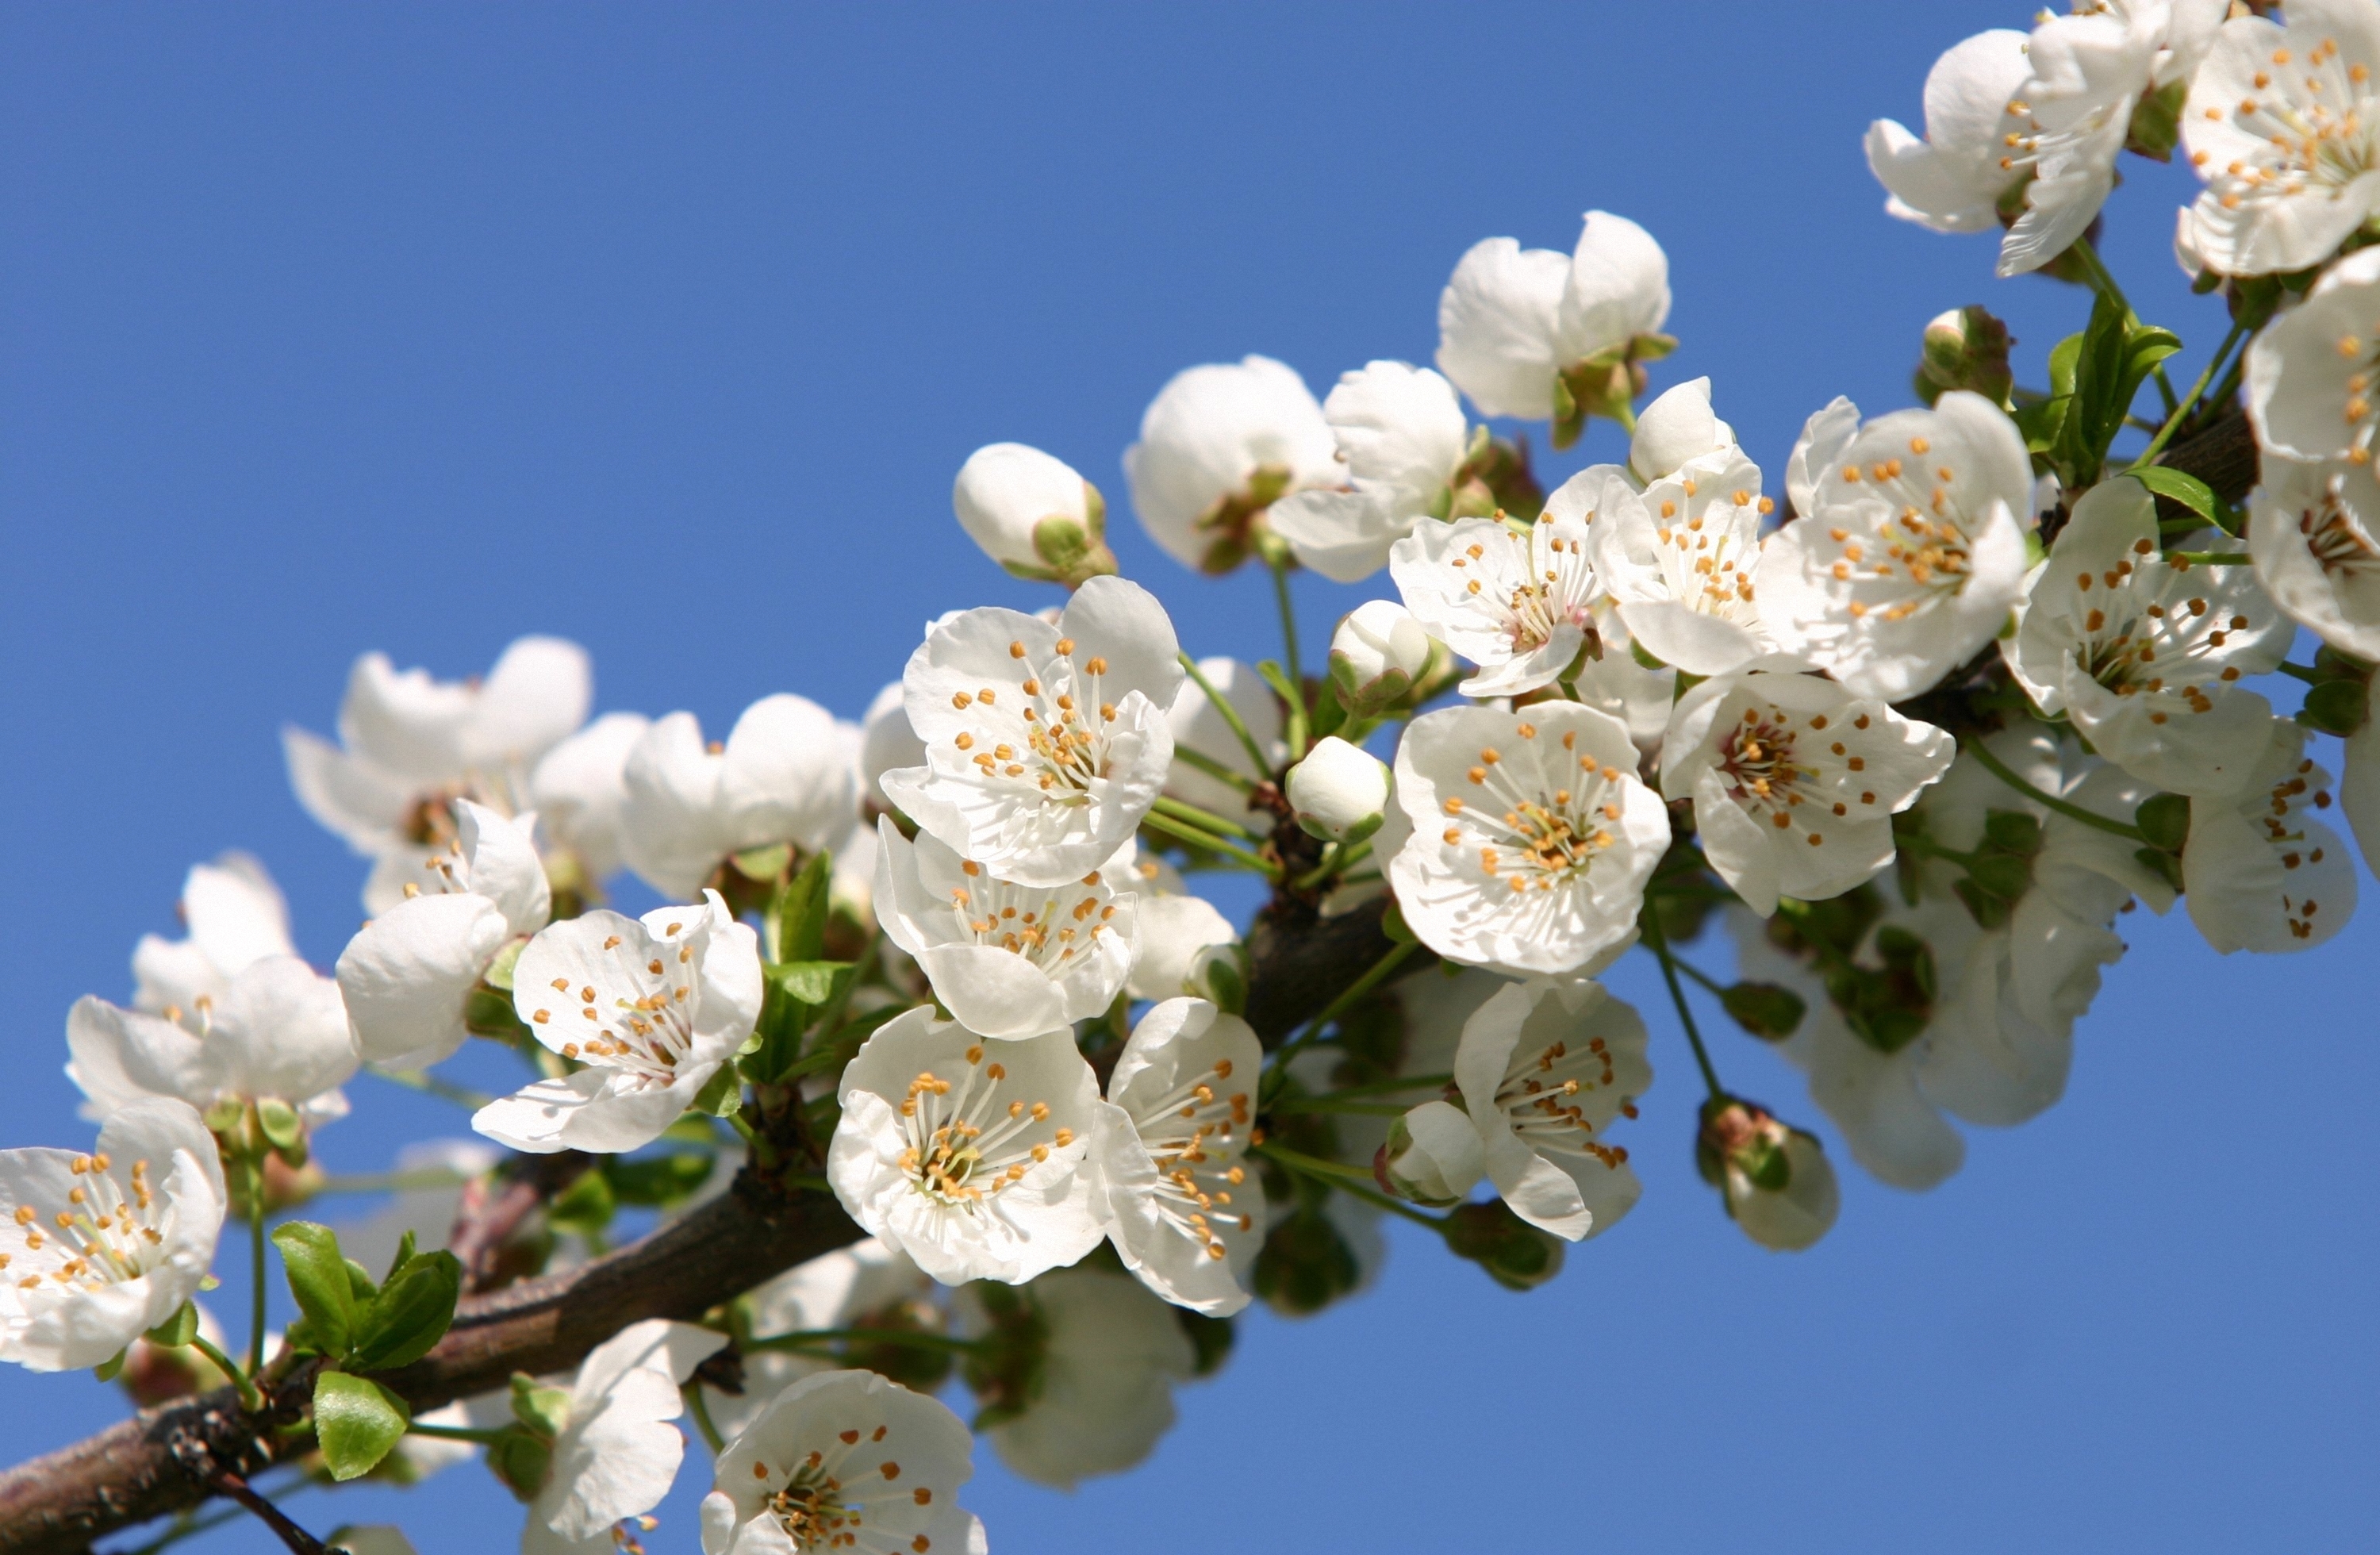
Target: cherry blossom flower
1532	836
845	1460
1032	514
1403	444
1199	729
1218	446
2144	654
2280	123
407	975
277	1032
2311	370
1954	180
581	791
616	1454
1005	960
886	744
1775	1180
651	1007
1045	745
2259	871
101	1249
235	917
1520	606
1795	781
1376	654
1175	929
2311	531
783	777
866	1284
1183	1212
969	1156
1909	550
1542	1079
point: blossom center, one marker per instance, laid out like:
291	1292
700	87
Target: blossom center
2135	639
1046	928
2318	129
1709	565
100	1238
1539	839
1540	1097
1066	725
819	1511
1196	1133
645	1027
967	1142
2337	542
1555	590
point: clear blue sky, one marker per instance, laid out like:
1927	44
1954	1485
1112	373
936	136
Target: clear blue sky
331	328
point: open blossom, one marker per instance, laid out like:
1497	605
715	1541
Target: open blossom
409	744
101	1249
844	1460
279	1031
1521	607
2261	871
1795	781
965	1155
2311	531
618	1453
864	1285
652	1006
784	776
2311	370
1403	444
1184	1211
407	975
1531	333
1532	836
1543	1073
1218	446
2280	123
1007	960
580	790
1045	745
235	917
2144	654
1909	550
1953	180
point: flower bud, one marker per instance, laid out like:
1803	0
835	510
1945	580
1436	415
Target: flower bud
1219	974
1515	1254
1339	791
1433	1156
1965	349
1375	655
1033	515
1775	1180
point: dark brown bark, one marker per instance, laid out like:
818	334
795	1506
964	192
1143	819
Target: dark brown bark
2223	454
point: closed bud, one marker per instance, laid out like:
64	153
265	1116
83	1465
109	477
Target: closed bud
1775	1180
1339	791
1376	654
2335	707
1965	349
1219	974
1434	1156
1515	1254
1033	515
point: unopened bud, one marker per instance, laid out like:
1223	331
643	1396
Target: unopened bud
1434	1156
1965	349
1339	791
1375	655
1775	1180
1515	1254
1033	515
1219	974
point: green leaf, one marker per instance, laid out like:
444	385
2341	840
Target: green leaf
585	1207
721	1094
812	982
411	1313
177	1330
404	1253
318	1277
661	1180
1766	1009
2062	358
800	909
793	994
2184	488
359	1280
357	1421
108	1369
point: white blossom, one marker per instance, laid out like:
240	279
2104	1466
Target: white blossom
1520	606
1745	1145
1337	790
618	1453
1542	1080
651	1007
1005	960
2259	871
1953	180
1376	654
2280	123
1045	745
886	744
235	917
1795	781
1174	930
279	1032
2311	370
1401	444
1183	1212
1218	444
581	791
782	777
1032	514
844	1460
1199	728
2311	531
969	1156
2144	654
101	1249
1532	836
1907	553
1514	320
407	975
866	1284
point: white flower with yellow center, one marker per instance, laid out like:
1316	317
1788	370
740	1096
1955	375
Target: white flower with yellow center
967	1155
97	1249
1218	446
1045	745
1543	1073
1532	836
651	1007
1953	179
279	1032
618	1453
2311	532
2311	372
1519	606
782	776
2283	123
845	1460
2144	654
1795	781
1185	1213
1907	553
1007	960
2260	872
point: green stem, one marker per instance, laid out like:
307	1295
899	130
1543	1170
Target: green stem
699	1407
1354	1181
1213	769
2212	558
1337	1007
1698	974
1651	924
1278	568
1570	689
2300	671
255	1267
2001	771
1206	821
815	1338
1261	764
1337	859
249	1399
1174	828
458	1433
2189	406
2104	283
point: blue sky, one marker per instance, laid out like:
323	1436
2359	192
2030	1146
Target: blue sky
415	328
